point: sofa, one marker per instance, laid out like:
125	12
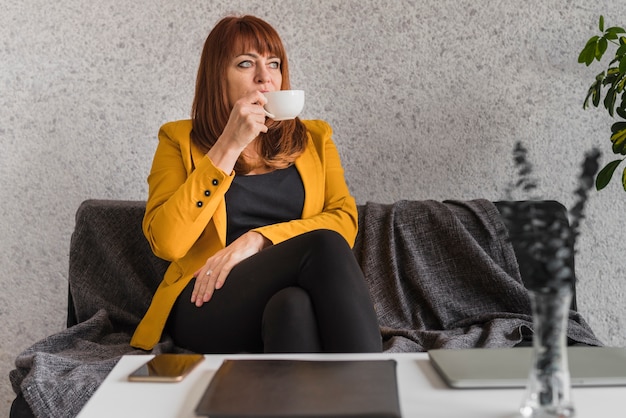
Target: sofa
441	275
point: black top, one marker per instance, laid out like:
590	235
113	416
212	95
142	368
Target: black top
263	199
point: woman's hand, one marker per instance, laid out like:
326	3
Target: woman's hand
247	119
212	275
245	123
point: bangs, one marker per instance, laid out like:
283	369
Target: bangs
250	36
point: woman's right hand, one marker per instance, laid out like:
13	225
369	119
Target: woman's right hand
247	119
245	123
213	274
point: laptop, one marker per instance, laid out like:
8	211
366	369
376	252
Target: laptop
509	367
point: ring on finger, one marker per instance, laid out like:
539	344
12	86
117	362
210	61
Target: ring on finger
208	272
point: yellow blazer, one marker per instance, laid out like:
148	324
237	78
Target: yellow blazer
185	219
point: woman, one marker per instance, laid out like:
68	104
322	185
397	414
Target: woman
254	215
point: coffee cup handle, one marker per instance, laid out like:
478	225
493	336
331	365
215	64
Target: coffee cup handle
268	114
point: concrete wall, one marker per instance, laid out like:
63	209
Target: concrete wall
427	99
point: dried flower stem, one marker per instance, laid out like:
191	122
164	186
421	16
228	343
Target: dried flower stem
546	242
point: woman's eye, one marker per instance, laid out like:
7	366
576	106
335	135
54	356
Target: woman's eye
245	64
274	65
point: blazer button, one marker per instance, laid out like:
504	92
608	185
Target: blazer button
199	204
215	182
207	193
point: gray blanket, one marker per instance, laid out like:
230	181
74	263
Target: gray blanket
59	374
440	275
444	275
112	276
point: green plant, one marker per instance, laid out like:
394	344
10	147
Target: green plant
613	82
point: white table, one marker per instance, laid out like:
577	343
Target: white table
422	392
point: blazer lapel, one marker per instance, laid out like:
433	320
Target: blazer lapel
310	168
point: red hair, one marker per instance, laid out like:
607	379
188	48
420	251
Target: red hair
285	140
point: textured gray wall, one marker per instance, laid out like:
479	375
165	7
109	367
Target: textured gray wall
427	99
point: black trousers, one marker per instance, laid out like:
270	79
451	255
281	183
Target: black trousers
306	294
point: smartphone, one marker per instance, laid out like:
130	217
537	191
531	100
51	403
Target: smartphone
166	368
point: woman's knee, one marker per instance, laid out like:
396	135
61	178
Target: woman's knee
328	242
328	263
289	323
287	302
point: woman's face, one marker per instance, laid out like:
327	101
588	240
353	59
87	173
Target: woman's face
251	72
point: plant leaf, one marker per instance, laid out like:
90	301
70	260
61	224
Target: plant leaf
621	109
618	148
619	84
616	29
612	33
624	179
594	91
601	47
617	127
589	94
597	94
619	142
604	176
609	100
601	23
618	137
612	74
588	54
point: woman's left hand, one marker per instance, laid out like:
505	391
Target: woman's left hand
212	275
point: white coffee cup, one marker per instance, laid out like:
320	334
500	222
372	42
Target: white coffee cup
284	104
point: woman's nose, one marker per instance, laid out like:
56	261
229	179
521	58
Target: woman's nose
263	75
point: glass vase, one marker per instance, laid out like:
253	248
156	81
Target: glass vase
548	388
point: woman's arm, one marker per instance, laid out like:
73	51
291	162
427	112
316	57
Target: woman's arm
181	200
184	194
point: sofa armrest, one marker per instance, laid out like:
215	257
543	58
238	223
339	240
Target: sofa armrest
547	210
111	265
